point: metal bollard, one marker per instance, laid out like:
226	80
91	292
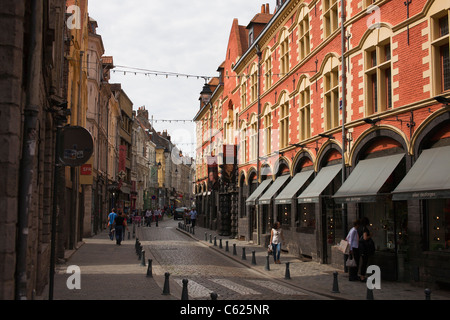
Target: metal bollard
166	290
267	267
234	249
210	238
149	269
254	258
369	295
335	283
287	274
427	294
226	246
243	254
214	296
206	237
140	253
215	241
129	235
143	258
184	293
220	244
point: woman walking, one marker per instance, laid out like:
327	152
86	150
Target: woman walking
276	238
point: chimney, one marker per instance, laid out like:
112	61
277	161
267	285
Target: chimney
263	9
267	8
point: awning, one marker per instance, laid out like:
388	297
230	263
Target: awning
261	188
286	196
367	178
323	179
277	185
429	178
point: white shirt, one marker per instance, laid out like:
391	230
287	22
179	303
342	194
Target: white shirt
276	236
353	238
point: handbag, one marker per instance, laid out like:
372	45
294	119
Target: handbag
350	262
269	248
344	247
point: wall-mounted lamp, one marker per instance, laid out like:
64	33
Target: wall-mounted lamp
443	100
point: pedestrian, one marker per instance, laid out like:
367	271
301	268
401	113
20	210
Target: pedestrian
366	247
193	217
112	215
120	224
353	242
157	214
148	218
276	238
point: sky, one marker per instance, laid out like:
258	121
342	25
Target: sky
187	37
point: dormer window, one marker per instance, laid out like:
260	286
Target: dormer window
250	37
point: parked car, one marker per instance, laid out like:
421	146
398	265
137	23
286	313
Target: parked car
179	213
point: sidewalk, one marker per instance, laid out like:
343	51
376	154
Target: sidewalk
309	275
109	272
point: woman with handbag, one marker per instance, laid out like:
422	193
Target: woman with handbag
276	237
353	260
366	247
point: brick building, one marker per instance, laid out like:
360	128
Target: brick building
316	159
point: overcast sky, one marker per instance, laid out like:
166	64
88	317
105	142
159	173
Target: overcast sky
188	37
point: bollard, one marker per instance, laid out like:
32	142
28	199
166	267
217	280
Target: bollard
134	231
253	258
214	296
193	230
287	274
206	237
184	293
149	269
166	290
335	283
210	238
267	267
369	295
427	294
234	249
140	253
220	244
128	235
226	246
215	241
243	254
143	258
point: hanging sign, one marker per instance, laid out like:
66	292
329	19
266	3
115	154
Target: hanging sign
76	146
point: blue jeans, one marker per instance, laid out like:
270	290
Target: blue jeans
276	250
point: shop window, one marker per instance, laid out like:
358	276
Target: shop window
440	51
438	212
378	78
284	215
305	217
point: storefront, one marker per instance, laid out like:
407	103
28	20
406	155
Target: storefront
369	186
317	201
253	209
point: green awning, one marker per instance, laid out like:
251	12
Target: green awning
277	185
286	196
255	195
323	179
429	178
367	178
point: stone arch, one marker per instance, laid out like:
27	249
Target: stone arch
421	140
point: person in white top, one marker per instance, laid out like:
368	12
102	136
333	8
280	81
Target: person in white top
276	238
353	242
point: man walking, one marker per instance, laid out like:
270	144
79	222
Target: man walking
111	217
193	217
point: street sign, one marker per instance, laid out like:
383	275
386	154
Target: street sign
76	146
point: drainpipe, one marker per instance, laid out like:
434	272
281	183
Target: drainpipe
259	53
29	147
344	114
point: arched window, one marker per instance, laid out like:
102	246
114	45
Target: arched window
284	53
